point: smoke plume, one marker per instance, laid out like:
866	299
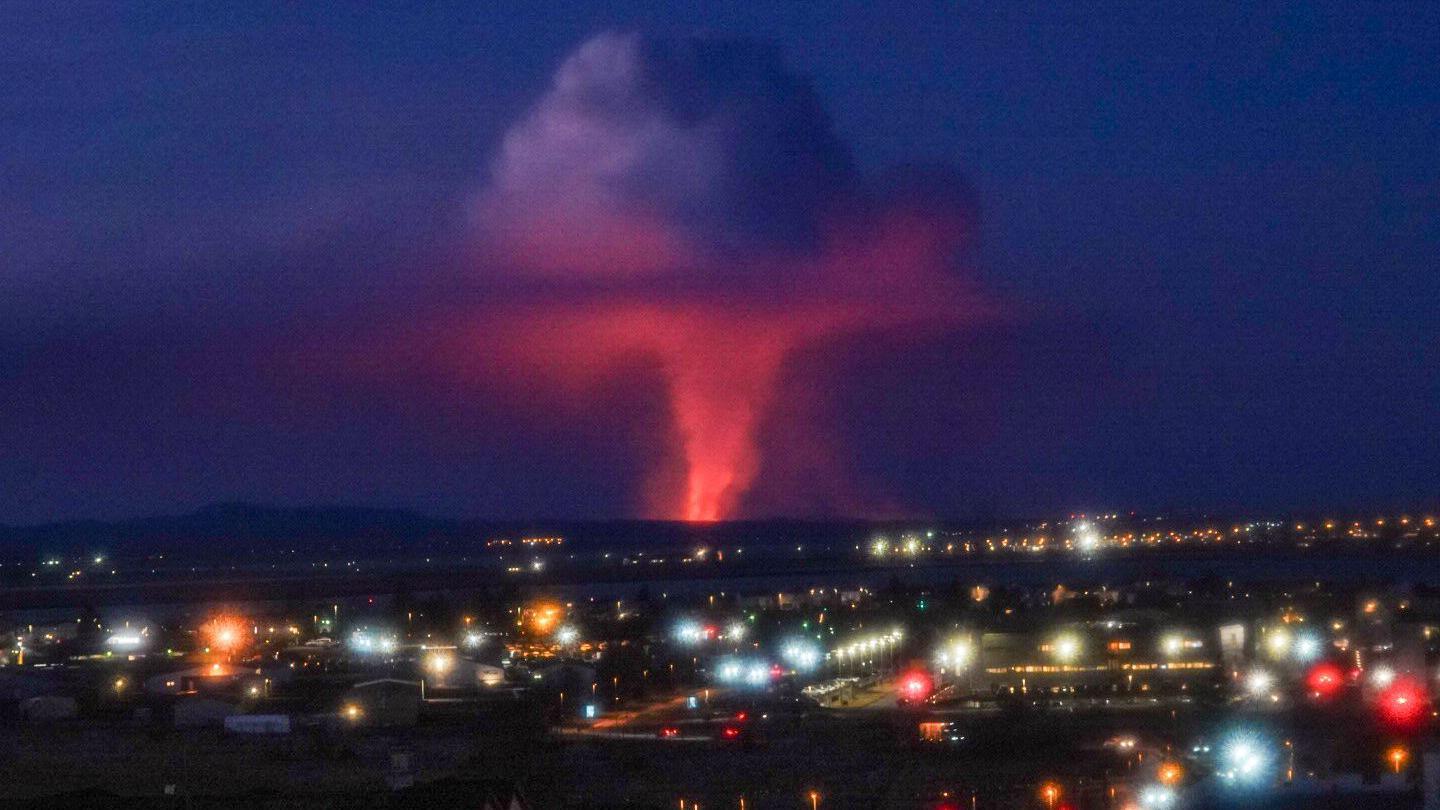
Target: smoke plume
688	202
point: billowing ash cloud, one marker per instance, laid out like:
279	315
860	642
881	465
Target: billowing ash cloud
688	203
651	155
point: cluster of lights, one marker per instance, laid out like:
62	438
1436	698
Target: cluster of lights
754	673
1303	647
126	641
801	654
691	632
1244	760
871	644
956	654
366	642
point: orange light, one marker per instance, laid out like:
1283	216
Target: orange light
1050	792
545	617
1397	756
1170	773
225	633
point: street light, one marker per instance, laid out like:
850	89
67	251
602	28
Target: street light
814	800
1050	792
1396	756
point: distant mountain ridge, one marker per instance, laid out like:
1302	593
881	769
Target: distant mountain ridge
240	528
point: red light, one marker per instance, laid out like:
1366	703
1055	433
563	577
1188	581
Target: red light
669	731
741	716
1325	679
915	685
1403	702
730	732
711	631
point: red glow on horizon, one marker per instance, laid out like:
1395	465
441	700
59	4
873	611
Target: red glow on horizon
722	354
720	350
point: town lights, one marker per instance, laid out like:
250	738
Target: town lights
472	640
1170	773
1259	682
1307	647
1172	645
1403	703
366	642
879	547
1087	538
224	633
1065	648
802	655
544	616
1324	680
915	686
567	635
728	671
1243	760
757	674
735	630
956	654
439	662
688	632
125	641
1396	757
1382	676
1157	797
352	712
1277	643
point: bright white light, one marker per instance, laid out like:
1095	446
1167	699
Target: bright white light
912	545
1307	647
688	632
957	654
473	639
389	645
1258	682
736	630
1243	759
880	547
439	663
1172	645
567	635
757	674
1277	642
728	671
804	656
1087	538
1382	676
1066	648
125	641
1157	797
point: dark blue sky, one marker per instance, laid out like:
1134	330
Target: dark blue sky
1209	236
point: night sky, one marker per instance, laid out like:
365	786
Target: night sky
623	259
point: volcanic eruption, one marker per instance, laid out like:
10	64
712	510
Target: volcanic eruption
688	202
